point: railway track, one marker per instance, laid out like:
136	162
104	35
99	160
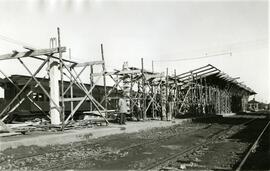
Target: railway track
73	146
76	161
172	158
121	149
252	148
28	157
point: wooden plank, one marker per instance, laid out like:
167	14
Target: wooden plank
102	73
104	79
37	52
4	127
73	99
202	75
198	72
129	72
149	76
143	90
97	112
87	64
54	57
9	134
206	66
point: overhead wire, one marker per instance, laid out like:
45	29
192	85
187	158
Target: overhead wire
235	47
193	58
11	40
215	49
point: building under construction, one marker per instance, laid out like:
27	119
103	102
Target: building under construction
63	114
61	94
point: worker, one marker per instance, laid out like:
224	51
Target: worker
123	109
158	103
137	111
170	106
163	101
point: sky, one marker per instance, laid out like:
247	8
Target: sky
160	31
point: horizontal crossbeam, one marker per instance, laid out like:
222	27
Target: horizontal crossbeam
87	64
37	52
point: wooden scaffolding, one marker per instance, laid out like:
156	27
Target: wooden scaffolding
205	90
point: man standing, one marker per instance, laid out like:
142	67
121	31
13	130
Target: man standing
170	106
123	109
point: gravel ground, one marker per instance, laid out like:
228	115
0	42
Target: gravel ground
259	159
226	152
136	150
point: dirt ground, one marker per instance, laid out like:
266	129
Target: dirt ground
226	152
259	159
137	151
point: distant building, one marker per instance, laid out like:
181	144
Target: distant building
253	105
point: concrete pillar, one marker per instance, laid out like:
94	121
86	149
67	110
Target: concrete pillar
54	92
54	75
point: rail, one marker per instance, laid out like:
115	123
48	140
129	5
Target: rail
253	147
164	161
76	161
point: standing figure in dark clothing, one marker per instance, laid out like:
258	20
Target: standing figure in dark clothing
170	106
123	109
137	111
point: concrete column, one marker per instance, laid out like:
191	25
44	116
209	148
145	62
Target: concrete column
54	75
54	91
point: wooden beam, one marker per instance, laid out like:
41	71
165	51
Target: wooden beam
73	99
102	73
97	113
37	52
198	72
61	79
149	76
52	56
143	90
5	127
104	79
137	71
87	64
206	66
23	88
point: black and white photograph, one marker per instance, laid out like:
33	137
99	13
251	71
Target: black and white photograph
164	85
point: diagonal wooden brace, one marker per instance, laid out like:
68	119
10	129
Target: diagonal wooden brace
24	87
